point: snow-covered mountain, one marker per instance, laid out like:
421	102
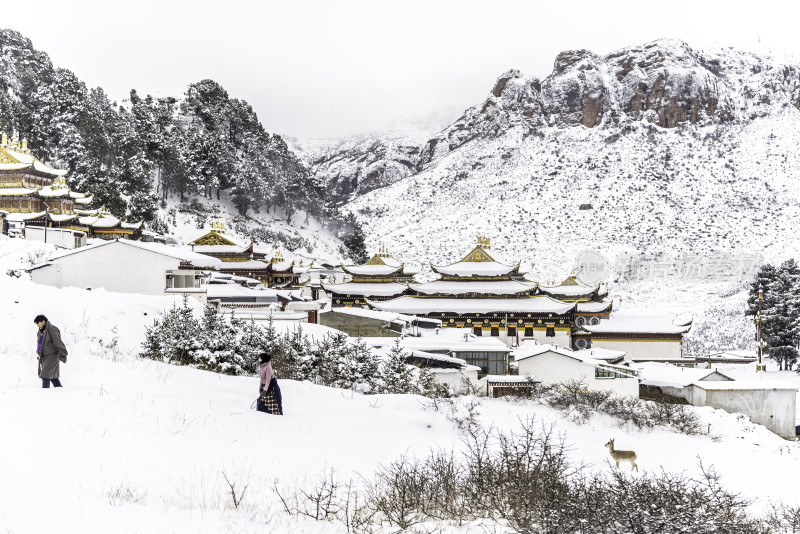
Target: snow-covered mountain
664	83
651	149
355	165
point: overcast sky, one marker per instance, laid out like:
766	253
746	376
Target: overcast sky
327	68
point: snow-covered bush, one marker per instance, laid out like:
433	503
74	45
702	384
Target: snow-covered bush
574	397
214	343
231	346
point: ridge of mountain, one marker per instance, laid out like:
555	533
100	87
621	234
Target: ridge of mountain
664	82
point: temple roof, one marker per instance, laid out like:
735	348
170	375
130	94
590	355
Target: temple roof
478	263
371	270
414	306
490	287
101	219
17	157
570	287
377	289
215	237
381	264
240	265
594	307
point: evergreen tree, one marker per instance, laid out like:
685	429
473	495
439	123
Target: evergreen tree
780	311
398	376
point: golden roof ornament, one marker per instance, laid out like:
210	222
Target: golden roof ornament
484	241
218	226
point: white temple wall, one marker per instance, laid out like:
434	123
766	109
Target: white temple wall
655	350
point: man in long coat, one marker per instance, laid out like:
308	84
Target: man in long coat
51	351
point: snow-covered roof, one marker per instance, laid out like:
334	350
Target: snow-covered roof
197	260
418	306
593	307
375	314
666	374
599	353
638	325
18	217
219	249
745	385
442	343
582	356
234	290
370	270
53	192
366	289
61	217
434	357
452	287
569	290
16	191
475	269
740	354
242	265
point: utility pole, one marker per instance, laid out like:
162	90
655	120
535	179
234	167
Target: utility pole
760	366
46	213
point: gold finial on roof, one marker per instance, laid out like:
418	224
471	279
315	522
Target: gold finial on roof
218	225
24	144
484	241
5	139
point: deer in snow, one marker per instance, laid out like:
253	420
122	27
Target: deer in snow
622	456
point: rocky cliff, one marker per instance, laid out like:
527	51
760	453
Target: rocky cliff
665	83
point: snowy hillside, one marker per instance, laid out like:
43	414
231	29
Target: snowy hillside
309	240
134	445
355	165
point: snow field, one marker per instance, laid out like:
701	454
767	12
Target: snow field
132	445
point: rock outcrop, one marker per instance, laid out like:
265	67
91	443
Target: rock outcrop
664	82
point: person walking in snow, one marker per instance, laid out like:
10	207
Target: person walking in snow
269	393
50	350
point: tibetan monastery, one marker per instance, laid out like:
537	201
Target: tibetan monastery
265	264
381	278
35	194
493	298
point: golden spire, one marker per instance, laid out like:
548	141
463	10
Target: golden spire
218	226
484	241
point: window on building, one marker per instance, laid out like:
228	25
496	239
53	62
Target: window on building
492	363
611	372
528	331
170	282
550	332
477	331
495	331
512	331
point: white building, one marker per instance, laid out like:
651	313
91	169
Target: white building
769	403
60	237
674	380
644	338
127	266
551	364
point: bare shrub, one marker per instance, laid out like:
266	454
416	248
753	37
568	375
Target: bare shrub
784	519
236	494
123	494
329	499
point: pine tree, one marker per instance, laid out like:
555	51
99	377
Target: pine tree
398	376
